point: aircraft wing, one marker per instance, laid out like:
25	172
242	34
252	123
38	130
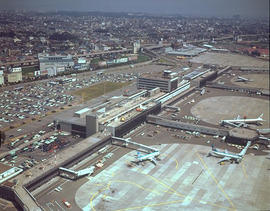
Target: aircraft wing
239	80
153	161
224	159
233	124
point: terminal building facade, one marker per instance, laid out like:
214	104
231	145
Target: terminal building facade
116	117
166	81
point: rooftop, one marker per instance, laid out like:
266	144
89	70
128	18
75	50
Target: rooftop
243	133
82	111
165	75
4	167
188	50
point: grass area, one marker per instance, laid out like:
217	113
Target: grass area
97	90
162	60
142	58
95	60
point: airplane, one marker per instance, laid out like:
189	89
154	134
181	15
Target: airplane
229	156
242	79
238	122
150	157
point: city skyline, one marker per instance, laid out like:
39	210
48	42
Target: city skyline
222	8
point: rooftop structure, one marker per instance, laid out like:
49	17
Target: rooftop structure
166	81
7	172
82	113
187	50
57	63
14	77
243	134
196	73
107	116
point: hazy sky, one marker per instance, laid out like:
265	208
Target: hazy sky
251	8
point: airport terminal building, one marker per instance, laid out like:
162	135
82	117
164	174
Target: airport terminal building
166	81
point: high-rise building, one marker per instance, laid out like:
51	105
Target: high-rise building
2	81
136	46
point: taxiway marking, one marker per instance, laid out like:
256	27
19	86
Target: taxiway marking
244	169
215	180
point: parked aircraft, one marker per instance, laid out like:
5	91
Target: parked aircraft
238	122
229	156
152	157
242	79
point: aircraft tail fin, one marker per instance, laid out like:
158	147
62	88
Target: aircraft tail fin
261	116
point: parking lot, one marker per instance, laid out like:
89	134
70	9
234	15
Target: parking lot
33	138
31	150
21	104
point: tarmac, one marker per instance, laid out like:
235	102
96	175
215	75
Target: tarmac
215	109
230	59
257	80
183	179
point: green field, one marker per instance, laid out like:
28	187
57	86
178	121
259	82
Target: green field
142	58
97	90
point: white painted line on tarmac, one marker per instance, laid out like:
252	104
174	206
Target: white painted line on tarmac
64	183
48	205
59	205
50	191
115	149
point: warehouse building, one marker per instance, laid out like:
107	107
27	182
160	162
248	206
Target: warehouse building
187	51
52	65
15	75
167	81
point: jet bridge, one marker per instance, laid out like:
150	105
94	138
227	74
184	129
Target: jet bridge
70	174
67	173
127	142
173	108
86	171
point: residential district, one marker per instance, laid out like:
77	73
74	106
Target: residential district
131	111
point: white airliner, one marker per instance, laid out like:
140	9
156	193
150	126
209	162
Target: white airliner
238	122
150	157
229	156
242	79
